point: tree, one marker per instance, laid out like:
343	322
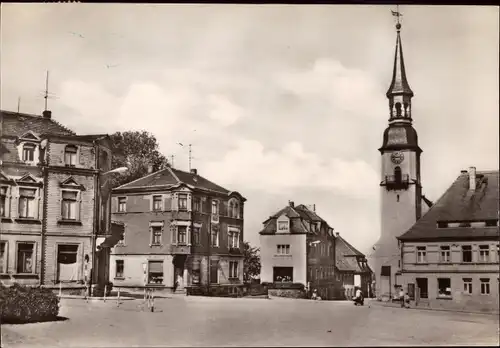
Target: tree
251	262
136	150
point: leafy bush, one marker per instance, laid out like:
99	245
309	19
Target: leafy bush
22	304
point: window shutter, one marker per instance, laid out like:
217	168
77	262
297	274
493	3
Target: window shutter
189	200
188	235
173	230
174	202
79	207
167	202
229	239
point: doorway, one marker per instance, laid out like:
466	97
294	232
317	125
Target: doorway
422	286
179	263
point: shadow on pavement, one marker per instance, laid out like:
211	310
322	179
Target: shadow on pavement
44	320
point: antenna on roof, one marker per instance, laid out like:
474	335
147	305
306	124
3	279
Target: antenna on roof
190	157
18	104
46	94
172	161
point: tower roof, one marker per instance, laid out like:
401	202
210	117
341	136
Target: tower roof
399	83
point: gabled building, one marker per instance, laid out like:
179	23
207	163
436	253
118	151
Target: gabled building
298	246
450	257
352	268
181	231
51	203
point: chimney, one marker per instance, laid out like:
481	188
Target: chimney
472	178
47	114
337	234
194	171
150	169
463	172
291	203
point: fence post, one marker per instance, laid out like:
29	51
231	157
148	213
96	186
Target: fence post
118	298
60	289
105	291
152	299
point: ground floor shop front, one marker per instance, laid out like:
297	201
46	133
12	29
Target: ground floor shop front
454	291
175	271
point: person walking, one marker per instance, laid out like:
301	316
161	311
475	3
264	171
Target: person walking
402	297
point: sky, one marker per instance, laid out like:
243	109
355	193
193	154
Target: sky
279	102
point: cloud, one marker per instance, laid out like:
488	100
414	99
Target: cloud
250	166
223	110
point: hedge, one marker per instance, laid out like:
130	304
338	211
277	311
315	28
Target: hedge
22	304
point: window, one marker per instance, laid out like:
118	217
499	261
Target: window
182	199
122	204
445	253
421	254
234	239
70	155
27	203
197	204
155	272
69	205
67	266
484	253
234	209
215	238
3	257
119	268
283	274
466	253
122	239
444	287
156	203
196	235
467	285
233	269
25	257
156	232
215	208
283	249
29	152
282	226
181	234
485	286
3	201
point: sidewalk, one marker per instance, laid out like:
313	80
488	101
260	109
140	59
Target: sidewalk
375	302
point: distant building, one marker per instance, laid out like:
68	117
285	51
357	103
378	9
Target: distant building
298	246
49	186
181	230
352	269
450	257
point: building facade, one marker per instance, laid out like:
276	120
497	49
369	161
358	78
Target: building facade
402	202
181	231
49	184
450	257
352	269
298	246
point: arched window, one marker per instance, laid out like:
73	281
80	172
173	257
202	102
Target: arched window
397	174
70	155
398	109
231	209
236	212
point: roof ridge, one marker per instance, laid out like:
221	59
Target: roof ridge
175	176
142	177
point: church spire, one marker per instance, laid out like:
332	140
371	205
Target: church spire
399	92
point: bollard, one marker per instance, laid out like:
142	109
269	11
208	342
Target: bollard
60	289
118	298
87	293
152	302
105	291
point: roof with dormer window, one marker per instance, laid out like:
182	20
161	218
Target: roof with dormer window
348	258
18	124
462	205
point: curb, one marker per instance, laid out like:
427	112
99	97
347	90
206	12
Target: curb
376	303
78	297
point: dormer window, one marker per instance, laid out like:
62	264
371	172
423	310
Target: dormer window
29	152
234	209
70	155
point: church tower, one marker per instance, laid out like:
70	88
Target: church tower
400	186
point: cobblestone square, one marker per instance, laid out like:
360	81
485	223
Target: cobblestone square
198	321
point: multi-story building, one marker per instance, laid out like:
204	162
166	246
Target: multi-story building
49	186
181	230
450	257
352	268
298	246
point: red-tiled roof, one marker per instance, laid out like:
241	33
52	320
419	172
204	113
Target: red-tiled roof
170	177
458	204
17	124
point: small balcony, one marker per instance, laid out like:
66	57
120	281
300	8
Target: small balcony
396	182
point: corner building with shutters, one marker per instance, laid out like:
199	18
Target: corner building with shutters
182	231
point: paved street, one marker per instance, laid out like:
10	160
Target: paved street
198	321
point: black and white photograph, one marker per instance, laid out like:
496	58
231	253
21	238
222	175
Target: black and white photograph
249	175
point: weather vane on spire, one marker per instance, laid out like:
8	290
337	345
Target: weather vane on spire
397	14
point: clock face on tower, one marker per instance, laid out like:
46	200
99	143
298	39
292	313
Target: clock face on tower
397	157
